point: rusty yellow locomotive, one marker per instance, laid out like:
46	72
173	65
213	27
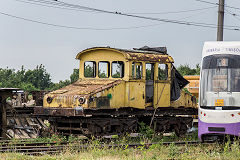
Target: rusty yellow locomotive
119	88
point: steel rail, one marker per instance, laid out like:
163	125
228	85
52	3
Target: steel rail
53	148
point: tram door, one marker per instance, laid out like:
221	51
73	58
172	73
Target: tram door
149	88
162	86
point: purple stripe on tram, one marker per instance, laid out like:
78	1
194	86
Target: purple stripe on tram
218	128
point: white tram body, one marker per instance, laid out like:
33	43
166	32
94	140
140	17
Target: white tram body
219	100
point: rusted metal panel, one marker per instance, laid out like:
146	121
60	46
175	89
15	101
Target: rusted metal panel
138	55
85	87
150	57
38	97
103	102
193	86
4	94
3	121
59	111
69	96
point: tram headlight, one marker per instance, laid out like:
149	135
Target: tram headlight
81	100
49	100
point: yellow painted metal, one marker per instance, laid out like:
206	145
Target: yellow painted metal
193	86
162	88
128	91
162	94
132	55
185	100
136	94
101	55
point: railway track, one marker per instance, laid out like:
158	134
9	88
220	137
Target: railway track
39	148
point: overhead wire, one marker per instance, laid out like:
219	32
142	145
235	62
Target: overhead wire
171	12
118	13
206	2
218	4
37	2
226	6
87	28
233	14
53	2
45	5
73	27
82	28
45	23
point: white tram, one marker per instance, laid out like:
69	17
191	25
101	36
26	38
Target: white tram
219	100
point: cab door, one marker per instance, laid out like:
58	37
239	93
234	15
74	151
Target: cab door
137	86
162	85
149	85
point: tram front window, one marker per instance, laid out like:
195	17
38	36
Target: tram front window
220	80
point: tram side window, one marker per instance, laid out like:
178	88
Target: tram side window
117	69
103	69
162	72
137	70
235	85
90	69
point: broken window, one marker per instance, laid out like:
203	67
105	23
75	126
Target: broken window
117	69
103	69
162	72
149	71
90	69
137	70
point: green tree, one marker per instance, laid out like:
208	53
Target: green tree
148	74
88	71
75	75
37	79
28	87
187	70
59	85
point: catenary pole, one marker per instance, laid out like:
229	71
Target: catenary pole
220	20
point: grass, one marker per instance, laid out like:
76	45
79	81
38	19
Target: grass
157	151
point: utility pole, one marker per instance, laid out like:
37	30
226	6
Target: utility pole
220	20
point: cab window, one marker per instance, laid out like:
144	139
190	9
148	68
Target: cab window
90	69
117	69
162	72
137	70
103	69
149	71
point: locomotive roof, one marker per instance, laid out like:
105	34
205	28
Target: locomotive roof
159	55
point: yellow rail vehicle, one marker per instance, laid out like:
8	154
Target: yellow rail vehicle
119	88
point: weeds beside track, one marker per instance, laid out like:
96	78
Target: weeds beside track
48	148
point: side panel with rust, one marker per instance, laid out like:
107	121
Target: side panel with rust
162	88
136	94
113	97
186	100
161	94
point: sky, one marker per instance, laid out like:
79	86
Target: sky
30	44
